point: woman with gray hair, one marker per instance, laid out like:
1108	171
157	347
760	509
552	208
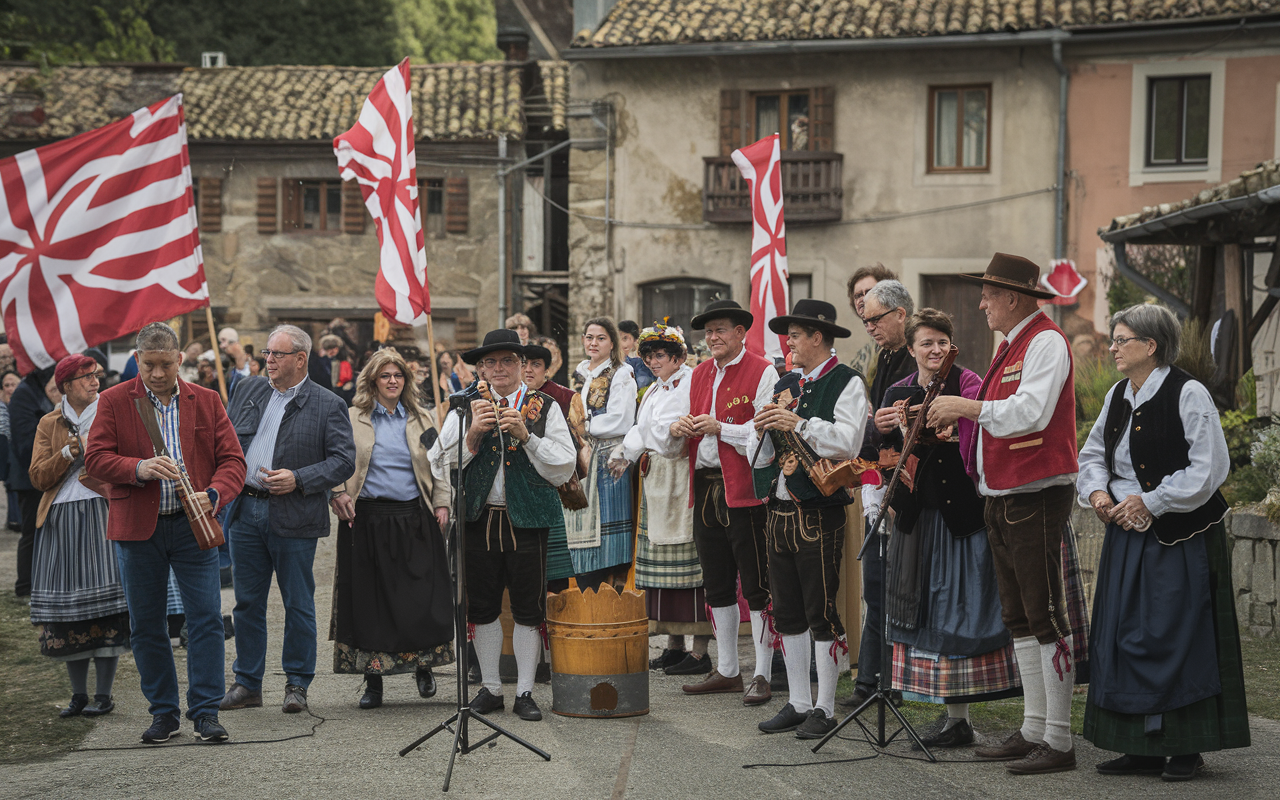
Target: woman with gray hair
1166	680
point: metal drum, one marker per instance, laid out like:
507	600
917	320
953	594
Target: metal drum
599	653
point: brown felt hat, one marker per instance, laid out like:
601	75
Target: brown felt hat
1015	273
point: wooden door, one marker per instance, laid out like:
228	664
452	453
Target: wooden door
960	299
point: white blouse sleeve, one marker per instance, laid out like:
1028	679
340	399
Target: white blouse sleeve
743	435
1094	475
1191	487
1044	372
620	412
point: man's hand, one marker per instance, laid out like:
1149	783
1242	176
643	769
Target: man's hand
886	419
683	427
158	468
442	516
278	481
705	425
945	410
777	419
1102	505
512	423
483	420
202	501
344	507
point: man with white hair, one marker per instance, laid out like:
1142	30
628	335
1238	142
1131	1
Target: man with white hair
298	444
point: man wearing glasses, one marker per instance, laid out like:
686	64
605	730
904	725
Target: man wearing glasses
298	444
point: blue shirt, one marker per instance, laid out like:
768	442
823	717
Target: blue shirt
644	376
263	448
167	416
390	475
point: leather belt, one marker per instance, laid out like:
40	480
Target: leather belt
254	492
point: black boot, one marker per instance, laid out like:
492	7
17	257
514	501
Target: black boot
372	697
77	704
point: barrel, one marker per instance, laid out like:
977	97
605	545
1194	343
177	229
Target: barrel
599	652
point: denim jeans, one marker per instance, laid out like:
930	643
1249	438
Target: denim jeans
144	571
257	552
872	646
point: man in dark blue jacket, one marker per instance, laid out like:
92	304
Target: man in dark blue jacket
29	403
298	444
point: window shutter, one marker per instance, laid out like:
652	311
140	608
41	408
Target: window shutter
291	206
210	205
731	118
822	119
457	204
353	210
267	218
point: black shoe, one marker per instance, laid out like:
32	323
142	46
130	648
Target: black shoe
163	727
426	682
525	708
1182	768
102	704
224	577
77	704
228	628
486	702
860	694
1132	765
958	735
372	697
788	719
16	527
816	726
208	729
690	665
295	699
669	658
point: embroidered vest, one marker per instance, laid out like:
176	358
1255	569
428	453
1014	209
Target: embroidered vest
815	400
1158	448
735	404
532	502
1019	460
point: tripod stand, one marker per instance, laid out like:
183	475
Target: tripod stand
457	723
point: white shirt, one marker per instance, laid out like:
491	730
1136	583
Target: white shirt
552	454
664	402
619	413
740	436
1045	368
839	440
1185	490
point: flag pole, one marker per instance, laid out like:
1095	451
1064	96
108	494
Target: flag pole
435	379
217	354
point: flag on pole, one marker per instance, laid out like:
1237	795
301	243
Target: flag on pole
98	236
761	165
378	153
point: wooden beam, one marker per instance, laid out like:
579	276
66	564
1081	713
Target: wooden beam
1233	288
1202	283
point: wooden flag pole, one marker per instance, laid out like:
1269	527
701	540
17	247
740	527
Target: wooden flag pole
217	353
435	379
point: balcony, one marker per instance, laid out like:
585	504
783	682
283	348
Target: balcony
811	188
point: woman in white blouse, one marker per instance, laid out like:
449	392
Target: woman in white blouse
667	565
600	536
1166	676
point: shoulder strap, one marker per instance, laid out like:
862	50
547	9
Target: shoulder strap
148	414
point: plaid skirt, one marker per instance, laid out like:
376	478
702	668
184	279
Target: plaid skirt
608	510
75	575
666	566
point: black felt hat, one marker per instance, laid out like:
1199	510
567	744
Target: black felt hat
1014	273
501	339
814	314
723	309
532	351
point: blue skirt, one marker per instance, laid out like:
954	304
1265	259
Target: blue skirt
616	531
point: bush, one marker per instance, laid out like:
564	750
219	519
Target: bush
1245	485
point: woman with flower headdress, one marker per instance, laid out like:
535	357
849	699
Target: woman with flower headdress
667	566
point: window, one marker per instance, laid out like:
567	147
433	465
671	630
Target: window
959	128
431	204
784	113
681	299
804	119
799	287
1177	120
312	206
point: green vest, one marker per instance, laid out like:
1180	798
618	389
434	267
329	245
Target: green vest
532	502
817	401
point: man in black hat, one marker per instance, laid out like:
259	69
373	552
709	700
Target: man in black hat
725	392
818	411
1024	459
517	451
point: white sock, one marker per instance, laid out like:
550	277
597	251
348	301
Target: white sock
956	713
527	644
795	654
1057	725
726	620
764	649
488	642
828	674
1027	653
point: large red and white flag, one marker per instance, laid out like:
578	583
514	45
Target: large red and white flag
761	166
98	236
378	153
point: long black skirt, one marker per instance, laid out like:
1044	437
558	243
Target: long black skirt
392	597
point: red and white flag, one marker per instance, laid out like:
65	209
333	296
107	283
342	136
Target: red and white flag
98	236
378	153
761	165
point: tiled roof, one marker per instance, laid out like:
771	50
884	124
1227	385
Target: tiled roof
1263	176
451	101
647	22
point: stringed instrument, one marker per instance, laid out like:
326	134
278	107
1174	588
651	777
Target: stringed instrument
828	476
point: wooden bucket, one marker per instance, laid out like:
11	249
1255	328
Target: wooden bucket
599	652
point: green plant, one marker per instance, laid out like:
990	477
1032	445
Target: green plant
1246	485
1193	353
1094	378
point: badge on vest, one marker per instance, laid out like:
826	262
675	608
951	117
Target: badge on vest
1013	372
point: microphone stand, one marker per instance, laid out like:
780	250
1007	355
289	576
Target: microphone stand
457	723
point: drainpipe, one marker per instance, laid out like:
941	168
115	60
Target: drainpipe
502	232
1060	188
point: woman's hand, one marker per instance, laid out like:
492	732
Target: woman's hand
442	516
1102	505
886	419
1131	513
344	507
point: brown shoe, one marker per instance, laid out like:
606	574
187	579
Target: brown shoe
715	684
1042	760
240	697
1012	749
758	693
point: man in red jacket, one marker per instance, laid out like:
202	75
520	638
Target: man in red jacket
147	520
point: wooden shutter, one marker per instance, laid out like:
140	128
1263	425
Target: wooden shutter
731	121
291	206
822	118
353	210
210	205
457	204
267	217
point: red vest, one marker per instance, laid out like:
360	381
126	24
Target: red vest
735	404
1017	461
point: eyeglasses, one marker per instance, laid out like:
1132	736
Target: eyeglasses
871	322
508	362
1121	341
391	376
96	376
278	354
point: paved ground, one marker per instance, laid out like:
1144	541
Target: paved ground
685	744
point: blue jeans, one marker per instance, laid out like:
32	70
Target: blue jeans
144	571
870	651
257	552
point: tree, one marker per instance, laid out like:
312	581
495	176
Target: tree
85	31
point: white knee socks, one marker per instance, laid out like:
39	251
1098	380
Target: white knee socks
726	620
828	674
795	654
956	713
763	641
1027	653
488	642
1057	690
527	644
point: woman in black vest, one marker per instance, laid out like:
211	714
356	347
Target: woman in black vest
950	644
1167	680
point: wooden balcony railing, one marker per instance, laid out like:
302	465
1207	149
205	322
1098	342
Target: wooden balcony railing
811	188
